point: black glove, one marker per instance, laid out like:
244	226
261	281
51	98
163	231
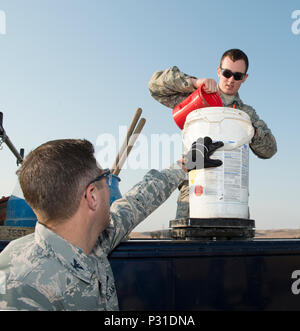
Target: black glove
198	156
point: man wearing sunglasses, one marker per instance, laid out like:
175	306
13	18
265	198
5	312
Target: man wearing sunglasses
64	264
171	86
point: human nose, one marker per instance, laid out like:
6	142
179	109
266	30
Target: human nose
231	79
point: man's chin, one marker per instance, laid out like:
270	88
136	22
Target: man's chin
228	91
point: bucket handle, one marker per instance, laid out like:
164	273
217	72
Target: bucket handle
237	144
220	117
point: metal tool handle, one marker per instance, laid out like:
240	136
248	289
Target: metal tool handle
9	144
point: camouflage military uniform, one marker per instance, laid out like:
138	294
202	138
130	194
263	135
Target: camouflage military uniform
42	271
171	86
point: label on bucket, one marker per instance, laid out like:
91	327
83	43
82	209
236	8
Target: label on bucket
235	165
227	184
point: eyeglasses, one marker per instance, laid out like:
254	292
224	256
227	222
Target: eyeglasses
105	174
236	75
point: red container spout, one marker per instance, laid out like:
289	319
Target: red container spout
198	99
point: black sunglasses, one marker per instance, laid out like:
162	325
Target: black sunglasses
236	75
105	174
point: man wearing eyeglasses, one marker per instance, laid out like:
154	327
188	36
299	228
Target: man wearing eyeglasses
171	86
64	264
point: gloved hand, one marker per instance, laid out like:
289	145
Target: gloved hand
198	157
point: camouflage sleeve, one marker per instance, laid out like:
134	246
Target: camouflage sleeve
170	87
127	212
263	143
19	296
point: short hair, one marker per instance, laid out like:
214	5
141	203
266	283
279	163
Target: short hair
54	175
235	55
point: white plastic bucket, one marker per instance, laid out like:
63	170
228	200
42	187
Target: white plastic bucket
220	192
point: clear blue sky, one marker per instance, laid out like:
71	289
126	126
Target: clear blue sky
78	69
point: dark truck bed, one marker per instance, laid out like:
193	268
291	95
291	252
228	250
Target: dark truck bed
213	275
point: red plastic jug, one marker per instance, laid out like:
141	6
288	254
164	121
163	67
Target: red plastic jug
198	99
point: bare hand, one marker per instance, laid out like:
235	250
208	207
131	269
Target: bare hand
210	85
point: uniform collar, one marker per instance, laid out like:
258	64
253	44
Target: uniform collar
229	100
70	256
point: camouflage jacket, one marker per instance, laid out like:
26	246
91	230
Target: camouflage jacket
171	86
42	271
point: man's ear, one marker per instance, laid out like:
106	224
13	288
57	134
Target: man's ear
244	79
219	71
91	197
